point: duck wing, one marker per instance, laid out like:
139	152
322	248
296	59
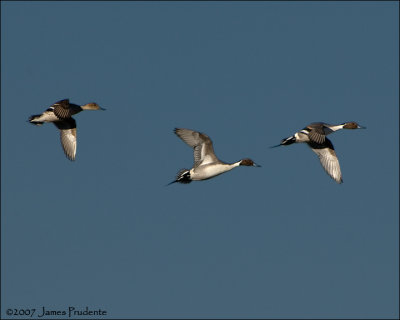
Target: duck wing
329	161
62	109
316	132
202	145
67	129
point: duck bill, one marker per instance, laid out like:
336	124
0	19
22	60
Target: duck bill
361	127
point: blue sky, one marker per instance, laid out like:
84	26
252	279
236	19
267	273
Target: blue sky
280	241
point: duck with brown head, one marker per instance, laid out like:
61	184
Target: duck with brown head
60	114
92	106
249	163
206	164
314	135
352	125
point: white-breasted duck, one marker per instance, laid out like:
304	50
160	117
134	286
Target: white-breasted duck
60	114
206	164
315	136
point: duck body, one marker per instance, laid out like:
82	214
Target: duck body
314	135
46	116
60	114
206	164
57	112
208	171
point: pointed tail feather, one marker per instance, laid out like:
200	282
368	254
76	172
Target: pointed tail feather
278	145
286	142
32	120
183	176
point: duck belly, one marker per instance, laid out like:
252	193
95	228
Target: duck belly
209	171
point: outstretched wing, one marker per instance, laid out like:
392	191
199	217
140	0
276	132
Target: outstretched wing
201	144
67	129
329	161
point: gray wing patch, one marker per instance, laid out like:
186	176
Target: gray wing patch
203	150
190	137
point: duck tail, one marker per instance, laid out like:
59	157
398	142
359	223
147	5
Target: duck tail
287	141
32	119
183	176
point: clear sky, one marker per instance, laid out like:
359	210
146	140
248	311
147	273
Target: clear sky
280	241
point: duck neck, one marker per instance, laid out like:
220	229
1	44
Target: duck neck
235	164
74	108
336	128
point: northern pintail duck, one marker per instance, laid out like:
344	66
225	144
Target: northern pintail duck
60	113
315	136
206	164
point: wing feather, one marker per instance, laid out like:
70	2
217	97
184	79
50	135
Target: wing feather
316	132
203	150
62	109
68	137
329	161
